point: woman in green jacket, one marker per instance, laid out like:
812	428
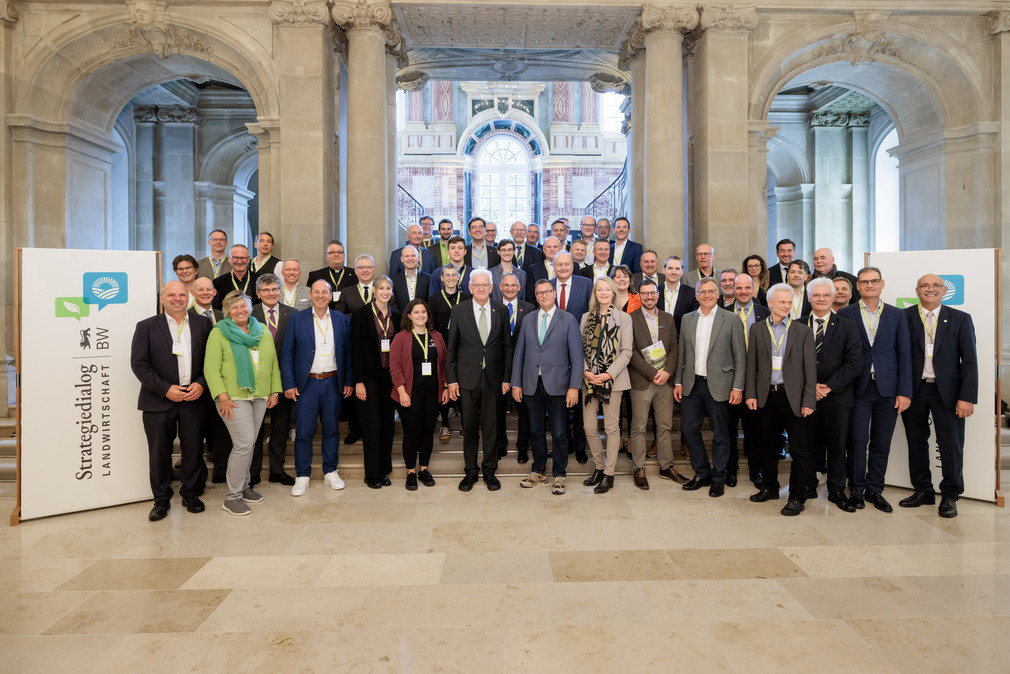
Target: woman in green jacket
244	380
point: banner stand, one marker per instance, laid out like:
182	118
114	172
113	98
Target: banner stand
16	513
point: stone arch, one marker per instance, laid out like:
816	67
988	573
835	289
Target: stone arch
231	154
514	123
787	162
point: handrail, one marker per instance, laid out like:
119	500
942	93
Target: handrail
408	209
609	200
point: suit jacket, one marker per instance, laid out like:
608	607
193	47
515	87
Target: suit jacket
840	359
284	312
632	255
157	368
686	301
301	299
436	254
637	277
530	255
299	349
618	370
955	361
435	285
206	269
426	263
535	272
775	275
576	303
760	311
805	307
641	372
351	299
345	278
496	276
523	309
558	360
195	311
365	347
838	273
466	351
587	272
225	284
799	366
891	353
400	296
440	311
727	355
267	267
493	258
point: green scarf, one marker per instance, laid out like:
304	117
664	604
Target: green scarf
240	345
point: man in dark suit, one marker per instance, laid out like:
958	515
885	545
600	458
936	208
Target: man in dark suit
214	432
167	357
704	257
457	255
526	254
426	261
533	236
945	384
572	295
883	388
543	270
440	247
825	267
274	315
600	265
782	383
675	297
839	361
547	376
335	273
624	250
649	265
479	253
409	283
559	230
353	298
316	374
785	250
240	278
749	312
727	292
265	261
515	310
203	300
653	363
478	370
796	278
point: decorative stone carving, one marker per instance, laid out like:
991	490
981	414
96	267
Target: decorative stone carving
729	18
866	42
626	124
8	13
509	66
177	114
603	83
859	119
395	44
298	12
352	14
338	38
412	81
145	114
632	46
840	118
997	21
151	30
669	18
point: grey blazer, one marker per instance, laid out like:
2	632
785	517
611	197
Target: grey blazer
799	365
301	299
727	354
619	368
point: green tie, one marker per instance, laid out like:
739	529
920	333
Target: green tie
543	327
482	325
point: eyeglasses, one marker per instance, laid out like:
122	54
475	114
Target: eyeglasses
480	285
185	268
364	266
544	293
269	290
703	254
648	293
707	292
932	286
869	281
239	258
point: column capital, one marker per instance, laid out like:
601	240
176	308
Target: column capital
997	21
729	18
669	18
632	46
414	80
362	14
179	114
829	118
298	12
8	13
603	83
145	114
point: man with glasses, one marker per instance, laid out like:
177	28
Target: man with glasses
526	253
216	263
491	234
506	251
351	299
185	268
532	237
457	255
239	277
883	388
516	309
704	256
334	273
480	253
426	226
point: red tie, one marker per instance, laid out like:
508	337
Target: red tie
562	304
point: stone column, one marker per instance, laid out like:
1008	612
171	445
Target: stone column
367	160
721	153
664	124
636	159
175	146
831	172
859	123
393	236
756	236
144	122
998	24
589	98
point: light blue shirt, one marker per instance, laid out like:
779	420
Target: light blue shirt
779	331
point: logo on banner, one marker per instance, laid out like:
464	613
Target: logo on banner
952	298
98	288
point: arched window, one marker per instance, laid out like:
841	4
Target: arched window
503	181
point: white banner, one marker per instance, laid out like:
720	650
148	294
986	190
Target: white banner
970	277
82	437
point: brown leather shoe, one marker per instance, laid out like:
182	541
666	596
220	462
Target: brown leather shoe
684	451
641	481
651	451
672	474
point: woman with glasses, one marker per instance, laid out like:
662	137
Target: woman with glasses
755	267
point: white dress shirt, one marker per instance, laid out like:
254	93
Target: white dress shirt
702	337
186	358
325	358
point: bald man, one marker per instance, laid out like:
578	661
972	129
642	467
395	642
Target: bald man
426	263
824	266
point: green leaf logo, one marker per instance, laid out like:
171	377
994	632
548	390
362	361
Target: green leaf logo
72	307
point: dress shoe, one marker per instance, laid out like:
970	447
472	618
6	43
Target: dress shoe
593	479
840	500
717	489
411	482
425	477
878	501
730	479
651	452
672	475
765	495
373	483
581	456
467	483
522	456
756	481
159	511
493	483
948	507
503	452
282	478
641	481
919	498
386	482
857	501
193	504
351	439
696	483
605	485
793	507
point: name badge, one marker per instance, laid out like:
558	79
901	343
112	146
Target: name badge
384	345
177	348
776	362
426	369
255	353
929	350
336	296
326	350
657	350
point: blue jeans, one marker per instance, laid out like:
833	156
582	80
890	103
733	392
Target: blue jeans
541	405
319	400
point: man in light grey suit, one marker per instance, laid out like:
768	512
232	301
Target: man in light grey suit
547	363
709	378
782	383
293	294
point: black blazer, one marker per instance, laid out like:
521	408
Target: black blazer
840	360
283	313
224	284
348	279
493	258
775	274
365	347
400	296
760	312
522	310
157	369
534	272
955	361
466	351
530	255
217	314
686	302
587	272
350	299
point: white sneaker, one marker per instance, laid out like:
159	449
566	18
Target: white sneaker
301	484
333	479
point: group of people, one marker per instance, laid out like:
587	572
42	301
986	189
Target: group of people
563	331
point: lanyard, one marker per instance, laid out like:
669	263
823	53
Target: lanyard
182	326
258	266
289	298
272	322
320	324
383	323
216	266
777	346
811	319
336	281
424	344
235	284
446	298
872	326
744	315
648	324
922	317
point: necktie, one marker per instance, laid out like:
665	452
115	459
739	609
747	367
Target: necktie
930	335
562	302
512	318
519	255
209	313
365	294
272	324
818	335
482	325
743	319
543	327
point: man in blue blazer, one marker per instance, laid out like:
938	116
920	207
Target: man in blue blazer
547	365
571	292
624	250
427	260
316	374
410	282
542	269
883	388
944	384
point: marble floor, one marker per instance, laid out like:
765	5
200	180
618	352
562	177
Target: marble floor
514	581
